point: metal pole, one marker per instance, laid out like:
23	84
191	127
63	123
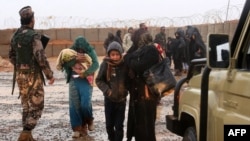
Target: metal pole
227	9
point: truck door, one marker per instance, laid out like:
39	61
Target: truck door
236	91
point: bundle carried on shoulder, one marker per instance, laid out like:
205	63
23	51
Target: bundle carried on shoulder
69	55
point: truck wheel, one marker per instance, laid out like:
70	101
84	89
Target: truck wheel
190	134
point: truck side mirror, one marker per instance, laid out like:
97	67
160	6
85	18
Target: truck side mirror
218	51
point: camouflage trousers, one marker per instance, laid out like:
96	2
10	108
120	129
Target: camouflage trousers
32	98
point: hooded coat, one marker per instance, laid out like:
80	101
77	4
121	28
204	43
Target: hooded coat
112	80
196	46
80	90
112	76
142	103
179	50
81	45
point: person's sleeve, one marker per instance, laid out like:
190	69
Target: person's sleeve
101	79
12	55
95	64
41	57
157	38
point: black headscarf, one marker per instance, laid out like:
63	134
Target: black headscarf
136	38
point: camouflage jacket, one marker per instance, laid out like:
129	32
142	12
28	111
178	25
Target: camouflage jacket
26	48
160	38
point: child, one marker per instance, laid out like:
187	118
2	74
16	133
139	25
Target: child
112	80
69	55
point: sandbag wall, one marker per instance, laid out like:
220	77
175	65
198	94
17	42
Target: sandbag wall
61	38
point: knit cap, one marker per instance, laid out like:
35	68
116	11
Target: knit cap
115	46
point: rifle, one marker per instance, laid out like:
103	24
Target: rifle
14	80
45	40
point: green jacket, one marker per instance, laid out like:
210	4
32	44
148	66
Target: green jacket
81	45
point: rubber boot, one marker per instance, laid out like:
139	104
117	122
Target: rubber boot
90	122
76	132
84	130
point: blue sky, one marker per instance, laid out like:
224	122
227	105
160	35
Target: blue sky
113	9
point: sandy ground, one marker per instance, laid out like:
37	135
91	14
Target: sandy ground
54	123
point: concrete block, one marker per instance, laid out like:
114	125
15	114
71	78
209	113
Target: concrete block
114	30
100	51
167	33
49	50
5	36
39	31
103	34
91	34
171	31
204	31
51	33
227	27
219	28
211	28
233	26
62	38
56	49
63	34
154	31
4	51
75	32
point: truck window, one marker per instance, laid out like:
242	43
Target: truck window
244	54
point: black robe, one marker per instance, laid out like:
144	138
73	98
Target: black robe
142	103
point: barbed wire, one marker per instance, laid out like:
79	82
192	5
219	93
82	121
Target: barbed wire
213	16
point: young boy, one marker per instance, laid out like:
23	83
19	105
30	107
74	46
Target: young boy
69	56
111	80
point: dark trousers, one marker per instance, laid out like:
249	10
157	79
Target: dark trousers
178	63
114	116
169	55
141	120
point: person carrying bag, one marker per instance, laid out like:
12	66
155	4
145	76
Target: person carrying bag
159	77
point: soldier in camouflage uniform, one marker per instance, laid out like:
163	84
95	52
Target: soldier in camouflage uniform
30	63
160	38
